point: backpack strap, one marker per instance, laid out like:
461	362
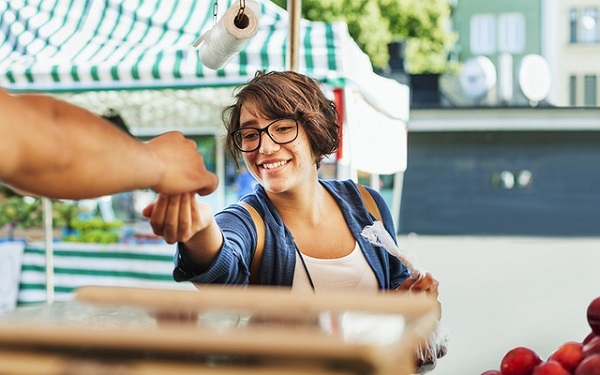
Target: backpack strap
369	201
261	230
260	240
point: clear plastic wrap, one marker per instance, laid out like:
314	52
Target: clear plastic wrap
436	345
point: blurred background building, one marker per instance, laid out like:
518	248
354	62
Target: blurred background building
507	144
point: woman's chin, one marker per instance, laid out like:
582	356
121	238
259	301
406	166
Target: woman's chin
274	186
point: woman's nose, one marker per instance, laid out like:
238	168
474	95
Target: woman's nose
267	145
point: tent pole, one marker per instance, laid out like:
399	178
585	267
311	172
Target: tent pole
294	8
220	169
397	199
48	237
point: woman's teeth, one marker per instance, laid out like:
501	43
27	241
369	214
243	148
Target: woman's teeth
274	165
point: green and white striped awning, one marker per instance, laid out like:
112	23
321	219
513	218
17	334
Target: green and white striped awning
82	45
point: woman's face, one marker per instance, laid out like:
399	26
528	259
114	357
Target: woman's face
277	167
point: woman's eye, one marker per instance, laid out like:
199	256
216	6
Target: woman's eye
249	136
283	129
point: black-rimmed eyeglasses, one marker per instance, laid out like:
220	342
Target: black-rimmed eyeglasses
280	131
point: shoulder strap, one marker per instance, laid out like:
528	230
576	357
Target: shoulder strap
369	201
260	240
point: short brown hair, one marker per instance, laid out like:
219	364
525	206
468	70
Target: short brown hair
287	95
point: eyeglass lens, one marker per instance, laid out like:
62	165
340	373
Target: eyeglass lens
280	131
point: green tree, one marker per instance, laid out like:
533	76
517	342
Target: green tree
422	25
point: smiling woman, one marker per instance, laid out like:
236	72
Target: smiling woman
311	240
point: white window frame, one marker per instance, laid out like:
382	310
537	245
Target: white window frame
483	34
511	32
589	25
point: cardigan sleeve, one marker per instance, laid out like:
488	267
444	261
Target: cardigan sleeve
232	263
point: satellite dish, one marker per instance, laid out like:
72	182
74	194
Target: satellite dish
477	77
534	77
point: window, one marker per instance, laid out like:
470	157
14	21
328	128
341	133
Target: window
589	91
589	26
573	25
573	91
483	34
583	26
511	32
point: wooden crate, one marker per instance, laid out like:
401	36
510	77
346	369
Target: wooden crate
217	330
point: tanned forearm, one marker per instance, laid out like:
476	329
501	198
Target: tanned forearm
73	152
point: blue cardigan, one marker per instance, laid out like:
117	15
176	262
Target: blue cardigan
232	263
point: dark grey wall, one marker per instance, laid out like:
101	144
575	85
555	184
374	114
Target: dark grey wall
453	183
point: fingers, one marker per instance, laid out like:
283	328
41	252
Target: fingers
211	181
147	211
188	217
183	168
426	284
174	217
158	214
171	219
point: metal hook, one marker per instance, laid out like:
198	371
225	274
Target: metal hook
240	13
215	12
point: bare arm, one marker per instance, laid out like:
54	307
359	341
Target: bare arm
52	148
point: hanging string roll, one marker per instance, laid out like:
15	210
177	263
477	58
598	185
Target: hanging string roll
229	35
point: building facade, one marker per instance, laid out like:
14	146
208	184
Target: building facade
572	46
508	162
566	33
503	33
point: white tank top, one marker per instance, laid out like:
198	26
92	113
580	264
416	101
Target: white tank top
349	272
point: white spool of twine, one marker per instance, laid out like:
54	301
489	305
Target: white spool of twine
229	35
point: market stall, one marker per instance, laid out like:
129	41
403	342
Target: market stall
137	59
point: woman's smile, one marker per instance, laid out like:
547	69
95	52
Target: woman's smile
273	165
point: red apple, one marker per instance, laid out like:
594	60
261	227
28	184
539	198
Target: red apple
592	347
519	361
568	355
550	368
589	366
491	372
588	338
593	315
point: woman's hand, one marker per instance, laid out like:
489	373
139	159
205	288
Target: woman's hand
427	284
178	217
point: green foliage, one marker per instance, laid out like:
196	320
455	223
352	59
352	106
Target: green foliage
373	24
27	212
94	230
19	211
63	213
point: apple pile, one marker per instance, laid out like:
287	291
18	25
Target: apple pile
571	358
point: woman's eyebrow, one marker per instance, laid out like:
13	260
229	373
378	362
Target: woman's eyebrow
249	123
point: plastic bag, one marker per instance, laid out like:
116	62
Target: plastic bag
378	236
436	346
434	349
